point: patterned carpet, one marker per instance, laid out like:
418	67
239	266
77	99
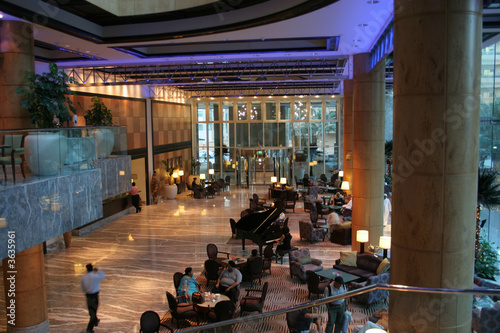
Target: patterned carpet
283	292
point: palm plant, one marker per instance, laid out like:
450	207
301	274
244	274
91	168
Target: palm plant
488	195
169	169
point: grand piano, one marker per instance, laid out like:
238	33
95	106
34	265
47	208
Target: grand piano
260	227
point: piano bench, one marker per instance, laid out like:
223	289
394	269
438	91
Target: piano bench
281	253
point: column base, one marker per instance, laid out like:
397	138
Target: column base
40	328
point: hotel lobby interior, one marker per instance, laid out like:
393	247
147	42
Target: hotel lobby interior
248	90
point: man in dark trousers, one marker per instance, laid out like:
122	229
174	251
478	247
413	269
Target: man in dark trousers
91	285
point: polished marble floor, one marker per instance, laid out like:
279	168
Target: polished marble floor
139	254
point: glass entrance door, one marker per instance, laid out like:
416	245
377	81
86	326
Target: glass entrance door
262	164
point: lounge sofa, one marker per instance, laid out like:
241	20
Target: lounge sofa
486	319
366	265
372	296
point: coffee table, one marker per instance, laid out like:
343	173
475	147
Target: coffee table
212	299
331	273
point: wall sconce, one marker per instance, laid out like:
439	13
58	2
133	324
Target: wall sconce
384	243
283	181
362	238
345	186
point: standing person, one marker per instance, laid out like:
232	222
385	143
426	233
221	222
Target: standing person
387	209
229	282
155	187
336	309
135	198
188	285
91	285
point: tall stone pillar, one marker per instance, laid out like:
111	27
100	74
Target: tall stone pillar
368	149
17	49
348	129
25	296
437	58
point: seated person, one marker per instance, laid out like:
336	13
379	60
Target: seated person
379	319
246	269
301	320
285	240
229	282
194	184
333	218
338	200
347	207
188	285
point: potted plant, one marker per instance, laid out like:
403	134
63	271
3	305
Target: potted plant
100	115
170	189
46	98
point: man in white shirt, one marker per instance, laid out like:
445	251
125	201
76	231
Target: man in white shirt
91	285
387	209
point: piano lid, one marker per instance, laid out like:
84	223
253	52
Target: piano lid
259	222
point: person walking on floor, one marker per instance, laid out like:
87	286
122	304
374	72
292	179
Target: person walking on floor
336	309
91	285
135	198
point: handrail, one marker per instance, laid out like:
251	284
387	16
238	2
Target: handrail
348	294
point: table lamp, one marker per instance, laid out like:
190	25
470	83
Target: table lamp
341	175
274	180
362	238
345	186
211	172
384	243
283	181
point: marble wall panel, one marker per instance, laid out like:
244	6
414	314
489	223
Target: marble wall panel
45	208
116	173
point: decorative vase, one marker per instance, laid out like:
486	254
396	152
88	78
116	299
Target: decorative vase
45	152
105	140
170	191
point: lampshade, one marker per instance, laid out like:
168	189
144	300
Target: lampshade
274	179
362	236
345	186
283	181
311	164
202	176
341	173
234	166
375	330
384	242
211	171
175	175
315	162
181	172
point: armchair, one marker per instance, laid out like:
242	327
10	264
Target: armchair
311	233
291	199
213	253
10	154
254	303
211	271
268	258
486	319
180	311
315	286
227	182
372	296
301	262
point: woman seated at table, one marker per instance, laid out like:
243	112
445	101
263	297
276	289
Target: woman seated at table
339	199
285	240
188	284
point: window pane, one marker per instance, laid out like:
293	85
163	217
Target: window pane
256	134
256	112
285	111
228	134
242	135
300	131
285	134
202	135
213	111
300	111
316	108
242	111
331	109
270	134
227	111
316	134
202	115
331	138
214	135
270	110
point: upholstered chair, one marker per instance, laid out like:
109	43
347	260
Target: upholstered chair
311	233
372	296
301	262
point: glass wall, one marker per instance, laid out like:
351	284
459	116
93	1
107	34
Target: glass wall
265	137
489	132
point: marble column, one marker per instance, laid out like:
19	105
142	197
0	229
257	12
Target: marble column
17	49
25	295
437	58
368	149
348	129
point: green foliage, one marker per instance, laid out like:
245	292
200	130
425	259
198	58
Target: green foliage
169	169
486	265
98	114
194	166
488	193
45	97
